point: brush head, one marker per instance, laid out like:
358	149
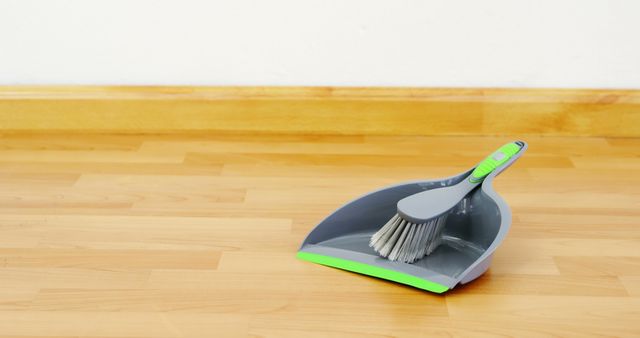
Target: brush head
416	230
404	241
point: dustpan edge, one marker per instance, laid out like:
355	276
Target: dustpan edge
373	271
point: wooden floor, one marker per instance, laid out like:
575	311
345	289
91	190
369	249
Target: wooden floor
195	236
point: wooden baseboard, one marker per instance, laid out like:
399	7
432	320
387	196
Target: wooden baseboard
321	110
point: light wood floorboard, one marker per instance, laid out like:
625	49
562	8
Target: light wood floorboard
195	236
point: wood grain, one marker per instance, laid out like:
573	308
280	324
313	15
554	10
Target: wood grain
321	110
195	236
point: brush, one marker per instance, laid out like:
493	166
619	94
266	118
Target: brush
416	229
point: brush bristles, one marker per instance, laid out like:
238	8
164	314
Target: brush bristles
400	240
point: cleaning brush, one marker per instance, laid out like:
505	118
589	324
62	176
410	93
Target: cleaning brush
416	229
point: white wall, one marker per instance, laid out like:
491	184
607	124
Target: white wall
505	43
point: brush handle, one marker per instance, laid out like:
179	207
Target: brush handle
491	162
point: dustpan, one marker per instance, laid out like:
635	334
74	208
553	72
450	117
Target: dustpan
474	229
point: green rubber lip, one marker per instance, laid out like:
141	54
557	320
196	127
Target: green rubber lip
374	271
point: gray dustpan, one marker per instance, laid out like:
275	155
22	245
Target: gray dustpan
473	231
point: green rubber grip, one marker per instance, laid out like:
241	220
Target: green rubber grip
493	161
